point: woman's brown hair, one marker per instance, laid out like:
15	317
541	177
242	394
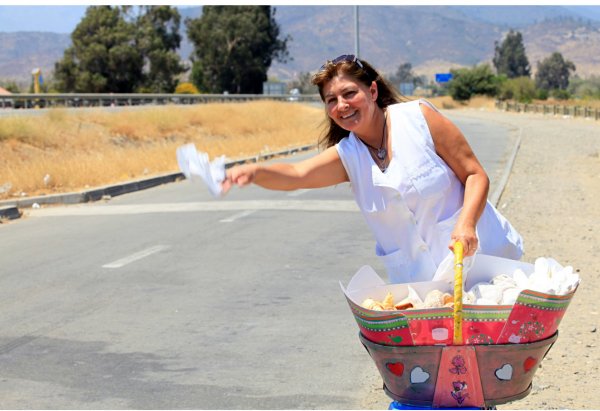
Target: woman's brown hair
361	71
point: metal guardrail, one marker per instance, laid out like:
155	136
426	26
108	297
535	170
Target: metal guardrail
30	100
552	109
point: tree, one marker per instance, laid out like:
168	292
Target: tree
158	38
113	52
304	84
467	82
510	58
11	86
234	47
582	88
553	72
103	57
404	74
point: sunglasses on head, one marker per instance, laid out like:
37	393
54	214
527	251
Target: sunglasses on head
350	58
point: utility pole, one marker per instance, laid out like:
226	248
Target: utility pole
356	44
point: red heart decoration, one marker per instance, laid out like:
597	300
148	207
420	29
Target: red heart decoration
396	368
529	363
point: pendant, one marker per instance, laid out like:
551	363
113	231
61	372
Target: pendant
381	153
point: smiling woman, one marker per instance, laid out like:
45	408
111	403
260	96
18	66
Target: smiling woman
414	176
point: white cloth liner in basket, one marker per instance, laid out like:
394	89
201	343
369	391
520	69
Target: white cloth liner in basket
510	277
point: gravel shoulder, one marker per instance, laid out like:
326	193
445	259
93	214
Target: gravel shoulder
553	198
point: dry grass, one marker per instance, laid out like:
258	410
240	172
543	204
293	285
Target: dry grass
77	150
85	149
447	103
593	103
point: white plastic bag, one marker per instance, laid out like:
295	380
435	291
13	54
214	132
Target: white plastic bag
196	167
445	271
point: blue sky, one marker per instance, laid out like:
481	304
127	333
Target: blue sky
57	18
63	18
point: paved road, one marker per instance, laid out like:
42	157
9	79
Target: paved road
165	298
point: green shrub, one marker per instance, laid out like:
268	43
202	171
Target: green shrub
467	82
521	89
542	94
560	94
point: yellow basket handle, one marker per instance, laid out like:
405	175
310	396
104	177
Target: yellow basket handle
458	287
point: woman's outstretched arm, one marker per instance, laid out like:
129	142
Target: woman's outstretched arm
324	169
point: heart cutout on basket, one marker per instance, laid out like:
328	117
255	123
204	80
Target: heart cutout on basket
418	375
529	363
504	373
396	368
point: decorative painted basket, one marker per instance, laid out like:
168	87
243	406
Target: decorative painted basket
471	356
458	375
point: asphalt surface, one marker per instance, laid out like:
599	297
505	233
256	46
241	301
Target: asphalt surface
166	298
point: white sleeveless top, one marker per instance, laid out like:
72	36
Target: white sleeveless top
413	206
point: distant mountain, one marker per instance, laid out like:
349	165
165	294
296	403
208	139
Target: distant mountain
435	39
517	16
586	12
21	52
576	41
389	36
432	38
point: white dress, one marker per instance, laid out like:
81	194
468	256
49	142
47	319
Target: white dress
413	206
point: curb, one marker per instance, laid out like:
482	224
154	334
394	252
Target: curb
9	213
9	208
497	194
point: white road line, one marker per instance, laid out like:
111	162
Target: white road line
136	256
237	216
297	193
276	205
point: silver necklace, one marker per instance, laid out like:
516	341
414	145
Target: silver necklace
381	151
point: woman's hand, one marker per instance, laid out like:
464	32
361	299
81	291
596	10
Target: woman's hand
467	236
239	175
